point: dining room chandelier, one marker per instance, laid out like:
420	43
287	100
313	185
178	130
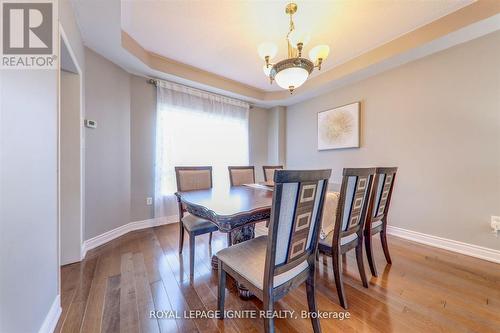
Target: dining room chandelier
293	71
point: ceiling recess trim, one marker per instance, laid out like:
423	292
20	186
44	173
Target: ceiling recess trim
169	66
475	12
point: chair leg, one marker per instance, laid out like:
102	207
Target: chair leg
221	292
311	301
181	236
385	247
210	239
191	255
229	239
337	272
361	265
369	254
268	308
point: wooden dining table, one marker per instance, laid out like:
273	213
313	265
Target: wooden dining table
234	210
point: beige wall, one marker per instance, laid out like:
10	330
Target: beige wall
142	146
67	20
258	121
276	142
438	120
70	169
107	148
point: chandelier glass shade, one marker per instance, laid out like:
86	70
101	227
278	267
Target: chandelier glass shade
293	71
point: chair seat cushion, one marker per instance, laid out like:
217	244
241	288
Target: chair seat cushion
197	224
376	224
344	240
249	259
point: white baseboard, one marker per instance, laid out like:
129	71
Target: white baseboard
446	244
435	241
101	239
50	322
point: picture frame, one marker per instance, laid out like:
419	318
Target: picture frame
339	128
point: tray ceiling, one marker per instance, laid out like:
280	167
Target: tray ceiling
221	37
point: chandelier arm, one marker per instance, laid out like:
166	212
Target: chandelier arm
320	61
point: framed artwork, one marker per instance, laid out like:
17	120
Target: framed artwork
339	127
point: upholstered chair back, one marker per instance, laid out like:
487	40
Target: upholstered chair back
239	175
296	213
193	178
353	204
382	192
269	171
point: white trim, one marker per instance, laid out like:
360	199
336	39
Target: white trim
446	244
50	321
101	239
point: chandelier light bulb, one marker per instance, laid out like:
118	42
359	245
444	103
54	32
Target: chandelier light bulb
319	52
267	49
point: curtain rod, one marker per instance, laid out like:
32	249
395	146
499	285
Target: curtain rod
156	82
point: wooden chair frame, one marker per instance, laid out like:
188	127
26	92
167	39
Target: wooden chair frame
336	250
380	216
230	168
271	294
266	167
192	235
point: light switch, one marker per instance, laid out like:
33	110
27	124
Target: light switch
495	223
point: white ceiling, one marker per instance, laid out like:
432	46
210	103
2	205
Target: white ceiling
100	25
222	36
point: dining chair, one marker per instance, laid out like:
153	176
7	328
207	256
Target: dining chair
190	179
376	218
269	171
240	175
349	223
271	266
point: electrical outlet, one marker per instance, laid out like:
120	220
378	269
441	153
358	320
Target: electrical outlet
495	223
149	201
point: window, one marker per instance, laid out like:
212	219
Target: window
196	128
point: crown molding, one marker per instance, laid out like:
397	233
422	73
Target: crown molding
462	18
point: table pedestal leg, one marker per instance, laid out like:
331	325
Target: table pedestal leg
237	236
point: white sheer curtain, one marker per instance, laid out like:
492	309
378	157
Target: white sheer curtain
196	128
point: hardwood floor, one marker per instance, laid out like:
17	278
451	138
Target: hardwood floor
425	290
